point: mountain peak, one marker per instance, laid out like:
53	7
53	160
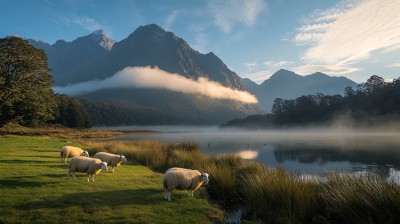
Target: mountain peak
151	32
100	37
151	27
283	73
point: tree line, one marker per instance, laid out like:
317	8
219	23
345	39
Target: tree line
369	102
26	95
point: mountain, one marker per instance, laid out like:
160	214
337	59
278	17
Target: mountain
96	57
289	85
69	59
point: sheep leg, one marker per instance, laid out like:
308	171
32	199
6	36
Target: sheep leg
88	179
188	193
169	195
73	174
165	194
113	169
93	177
191	193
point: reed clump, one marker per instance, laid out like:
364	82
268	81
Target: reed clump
272	195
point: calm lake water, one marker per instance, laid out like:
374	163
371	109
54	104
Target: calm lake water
305	152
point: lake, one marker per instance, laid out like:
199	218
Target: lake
304	152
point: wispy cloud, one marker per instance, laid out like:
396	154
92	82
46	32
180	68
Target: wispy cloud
200	38
228	13
144	77
328	69
350	33
250	65
258	76
394	65
171	18
278	64
87	23
317	23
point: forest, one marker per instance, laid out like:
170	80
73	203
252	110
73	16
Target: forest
371	103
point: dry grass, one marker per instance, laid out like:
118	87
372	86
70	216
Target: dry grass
56	132
272	195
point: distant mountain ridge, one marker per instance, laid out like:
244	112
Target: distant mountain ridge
96	57
68	59
289	85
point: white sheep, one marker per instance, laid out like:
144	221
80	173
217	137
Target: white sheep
71	151
83	164
182	179
111	159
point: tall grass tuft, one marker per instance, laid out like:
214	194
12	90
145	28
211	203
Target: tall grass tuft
276	196
365	198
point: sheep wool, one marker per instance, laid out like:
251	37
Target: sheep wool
83	164
111	159
182	179
71	151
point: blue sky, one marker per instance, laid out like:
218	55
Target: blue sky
255	38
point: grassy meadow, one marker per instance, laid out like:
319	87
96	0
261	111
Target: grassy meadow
34	189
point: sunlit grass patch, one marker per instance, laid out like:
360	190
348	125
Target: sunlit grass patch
34	189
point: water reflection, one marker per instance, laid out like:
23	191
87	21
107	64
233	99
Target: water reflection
248	154
310	152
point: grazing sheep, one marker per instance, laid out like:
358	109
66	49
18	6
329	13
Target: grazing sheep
83	164
71	151
182	179
111	159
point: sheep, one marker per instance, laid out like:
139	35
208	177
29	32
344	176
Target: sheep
111	159
71	151
182	179
83	164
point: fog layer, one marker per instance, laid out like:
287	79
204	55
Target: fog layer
148	77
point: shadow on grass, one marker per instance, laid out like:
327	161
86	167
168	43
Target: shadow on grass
19	161
14	183
47	157
94	200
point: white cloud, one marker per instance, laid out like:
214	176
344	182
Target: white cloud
250	65
356	31
87	23
171	18
257	77
278	64
327	69
227	13
200	38
147	77
317	23
394	65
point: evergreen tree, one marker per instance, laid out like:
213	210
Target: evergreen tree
71	113
26	96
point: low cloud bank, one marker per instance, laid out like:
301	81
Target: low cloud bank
147	77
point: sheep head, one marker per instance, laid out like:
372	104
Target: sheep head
204	177
123	159
104	166
86	153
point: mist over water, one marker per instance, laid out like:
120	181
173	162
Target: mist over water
311	151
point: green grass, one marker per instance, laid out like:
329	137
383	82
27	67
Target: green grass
34	189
